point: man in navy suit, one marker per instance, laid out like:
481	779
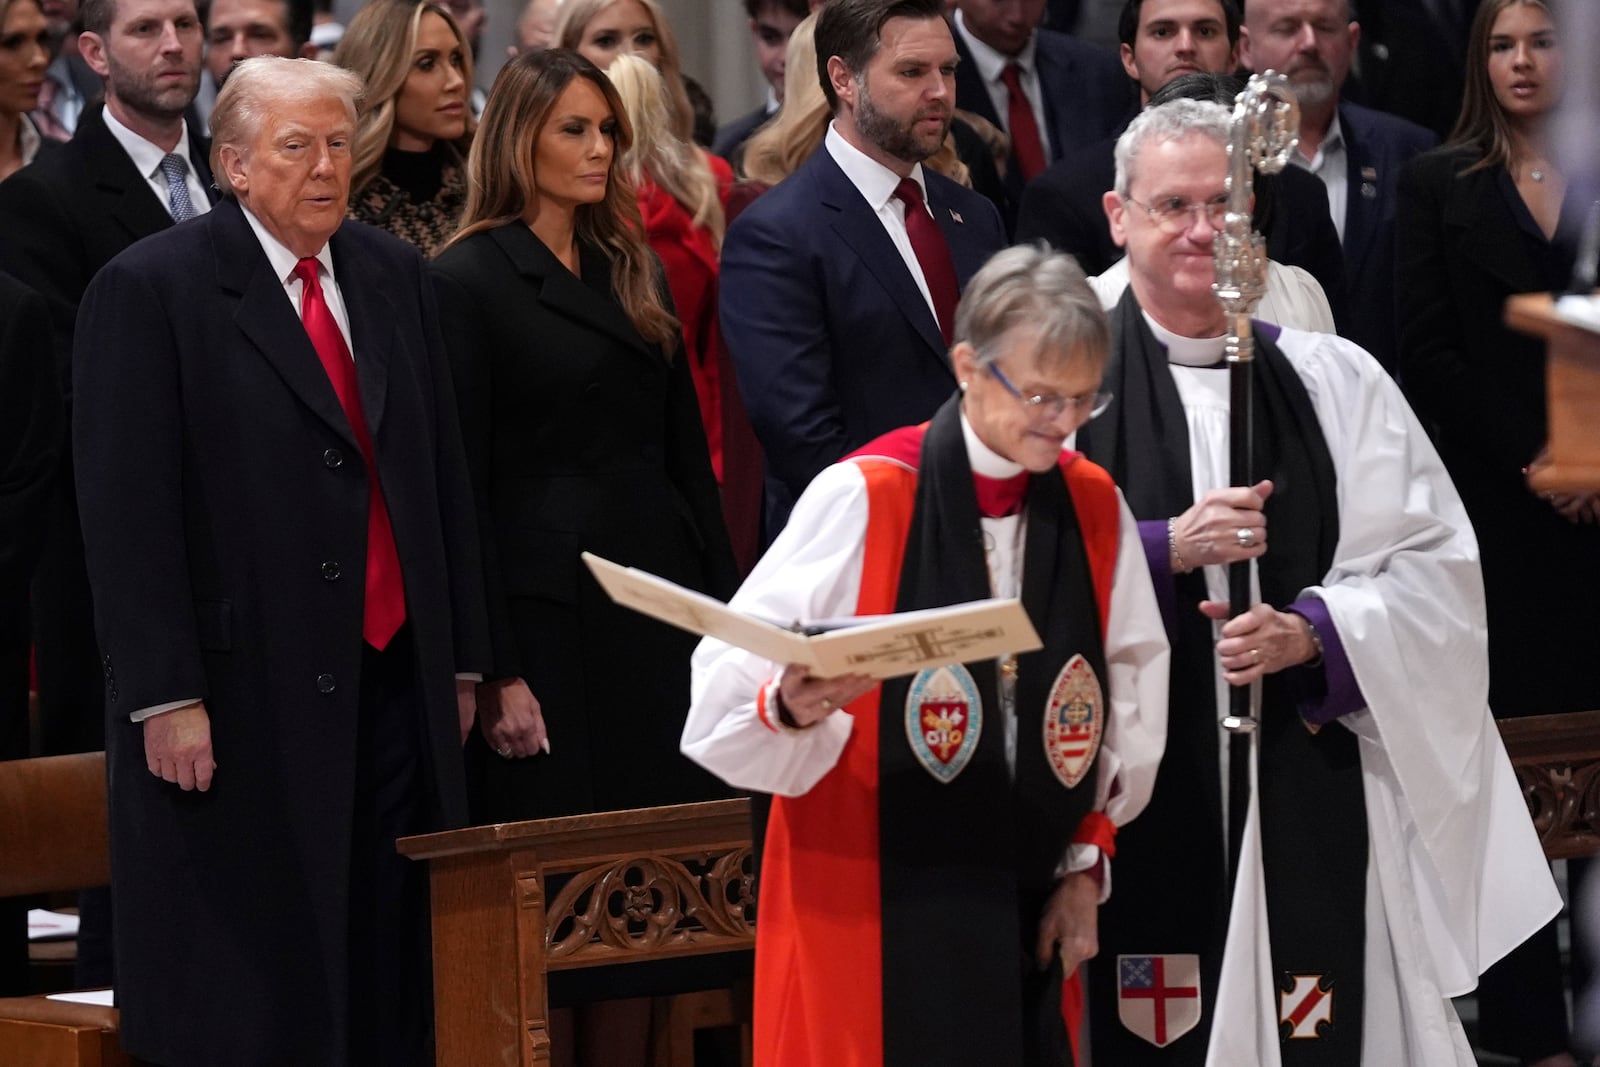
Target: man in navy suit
835	291
280	538
1060	93
1357	152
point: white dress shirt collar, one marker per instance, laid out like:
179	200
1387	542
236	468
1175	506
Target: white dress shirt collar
146	155
875	181
283	261
990	62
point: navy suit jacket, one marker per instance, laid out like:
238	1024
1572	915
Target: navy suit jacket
1377	145
1087	96
731	136
832	340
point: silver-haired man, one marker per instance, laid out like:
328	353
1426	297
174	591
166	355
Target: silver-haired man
1386	857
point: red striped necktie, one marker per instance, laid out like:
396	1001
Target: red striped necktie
384	608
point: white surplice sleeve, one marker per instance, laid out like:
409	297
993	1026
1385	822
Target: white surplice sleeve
812	571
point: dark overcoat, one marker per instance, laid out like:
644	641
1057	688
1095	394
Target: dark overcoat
581	436
224	504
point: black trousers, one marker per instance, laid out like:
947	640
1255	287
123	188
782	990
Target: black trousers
391	989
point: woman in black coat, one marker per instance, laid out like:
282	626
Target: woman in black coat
583	435
1480	219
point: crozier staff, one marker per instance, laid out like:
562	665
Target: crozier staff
943	839
1387	857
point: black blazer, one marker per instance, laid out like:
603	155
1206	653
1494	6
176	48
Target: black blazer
581	437
1376	147
224	501
31	430
67	213
62	218
1466	242
1063	208
833	341
1087	96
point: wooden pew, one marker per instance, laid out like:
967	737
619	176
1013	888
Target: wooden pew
651	884
54	837
1557	760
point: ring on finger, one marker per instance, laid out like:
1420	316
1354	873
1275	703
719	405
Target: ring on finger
1256	653
504	751
827	705
1246	537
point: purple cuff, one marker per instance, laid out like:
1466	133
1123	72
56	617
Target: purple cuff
1335	693
1158	554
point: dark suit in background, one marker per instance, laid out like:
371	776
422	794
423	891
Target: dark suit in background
1063	207
833	341
224	500
63	218
731	136
1376	147
1086	97
30	438
1466	242
580	436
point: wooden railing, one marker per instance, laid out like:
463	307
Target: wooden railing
651	884
1557	760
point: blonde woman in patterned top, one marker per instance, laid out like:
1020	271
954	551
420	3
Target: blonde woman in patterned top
412	141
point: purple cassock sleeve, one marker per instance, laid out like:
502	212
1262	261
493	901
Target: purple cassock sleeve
1336	693
1323	692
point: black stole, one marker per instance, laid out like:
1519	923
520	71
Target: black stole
1171	894
966	866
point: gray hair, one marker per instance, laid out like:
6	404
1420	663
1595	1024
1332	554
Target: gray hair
1171	121
1033	287
266	82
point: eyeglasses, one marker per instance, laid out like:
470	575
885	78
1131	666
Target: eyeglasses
1175	216
1051	405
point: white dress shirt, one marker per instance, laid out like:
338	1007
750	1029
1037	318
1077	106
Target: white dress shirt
991	64
876	183
1332	165
147	159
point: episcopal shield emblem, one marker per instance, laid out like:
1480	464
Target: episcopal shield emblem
944	718
1074	719
1305	1009
1158	997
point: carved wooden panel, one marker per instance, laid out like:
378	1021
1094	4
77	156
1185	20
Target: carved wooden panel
1557	762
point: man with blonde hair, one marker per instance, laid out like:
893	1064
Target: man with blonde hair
280	541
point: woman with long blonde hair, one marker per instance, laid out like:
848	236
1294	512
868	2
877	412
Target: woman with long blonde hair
415	130
683	221
582	435
601	30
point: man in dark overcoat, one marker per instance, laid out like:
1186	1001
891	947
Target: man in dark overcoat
281	544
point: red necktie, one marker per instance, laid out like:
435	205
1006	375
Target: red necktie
1022	126
999	497
384	608
933	255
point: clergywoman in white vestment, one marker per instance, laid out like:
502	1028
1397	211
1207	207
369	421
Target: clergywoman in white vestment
1387	857
940	842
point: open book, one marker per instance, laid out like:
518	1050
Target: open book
883	646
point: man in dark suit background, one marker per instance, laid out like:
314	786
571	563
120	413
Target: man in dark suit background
771	23
1356	151
280	538
1163	40
62	218
837	295
30	437
1051	93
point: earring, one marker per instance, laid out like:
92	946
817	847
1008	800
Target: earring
963	387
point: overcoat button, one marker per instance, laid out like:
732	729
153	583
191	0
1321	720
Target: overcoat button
325	683
330	571
333	459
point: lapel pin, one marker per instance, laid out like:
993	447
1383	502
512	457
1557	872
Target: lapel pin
1369	190
956	215
1369	174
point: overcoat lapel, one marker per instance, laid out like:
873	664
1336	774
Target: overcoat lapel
1489	231
268	319
859	229
564	293
372	325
